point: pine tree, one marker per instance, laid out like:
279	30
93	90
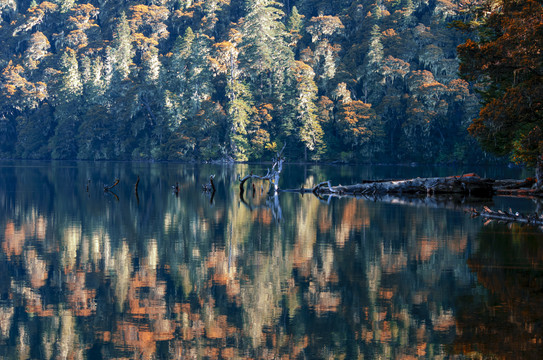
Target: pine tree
308	130
265	52
122	49
70	89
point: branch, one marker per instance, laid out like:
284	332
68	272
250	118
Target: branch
109	187
507	216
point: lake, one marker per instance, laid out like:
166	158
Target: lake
89	274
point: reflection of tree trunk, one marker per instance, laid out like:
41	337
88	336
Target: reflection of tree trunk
539	173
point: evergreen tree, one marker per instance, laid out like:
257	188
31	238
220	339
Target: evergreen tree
70	89
265	52
309	130
372	66
122	52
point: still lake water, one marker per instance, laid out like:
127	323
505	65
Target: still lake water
87	274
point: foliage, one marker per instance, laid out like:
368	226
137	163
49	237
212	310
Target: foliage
362	80
505	59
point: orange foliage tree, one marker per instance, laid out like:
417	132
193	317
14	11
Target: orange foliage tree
506	60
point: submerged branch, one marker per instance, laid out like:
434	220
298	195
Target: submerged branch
272	176
109	187
507	216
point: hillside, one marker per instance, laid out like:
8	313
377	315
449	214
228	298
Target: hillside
366	80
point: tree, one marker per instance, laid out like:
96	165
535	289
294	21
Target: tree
70	89
308	129
265	53
359	126
506	61
122	49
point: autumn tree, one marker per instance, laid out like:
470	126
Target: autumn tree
505	59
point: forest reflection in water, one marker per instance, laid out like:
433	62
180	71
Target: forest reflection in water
89	274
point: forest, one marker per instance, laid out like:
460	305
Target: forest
236	80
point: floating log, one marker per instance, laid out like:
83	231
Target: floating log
471	185
507	216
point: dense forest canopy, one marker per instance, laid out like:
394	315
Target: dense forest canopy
362	80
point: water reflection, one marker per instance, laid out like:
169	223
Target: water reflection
507	319
165	275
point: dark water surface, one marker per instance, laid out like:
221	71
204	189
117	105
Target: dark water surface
86	274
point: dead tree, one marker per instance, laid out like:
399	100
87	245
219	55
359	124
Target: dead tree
272	176
210	186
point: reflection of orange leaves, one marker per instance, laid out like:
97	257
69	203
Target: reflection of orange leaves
357	218
426	248
458	244
264	217
327	302
444	322
215	332
36	268
104	336
228	353
386	294
13	240
80	299
134	337
386	333
421	349
324	223
211	352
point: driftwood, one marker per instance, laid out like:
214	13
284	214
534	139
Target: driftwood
507	216
109	187
470	185
272	176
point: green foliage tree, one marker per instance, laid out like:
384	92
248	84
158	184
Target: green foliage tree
308	128
265	53
69	91
150	73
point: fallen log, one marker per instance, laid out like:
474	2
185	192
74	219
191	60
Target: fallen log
507	216
470	185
